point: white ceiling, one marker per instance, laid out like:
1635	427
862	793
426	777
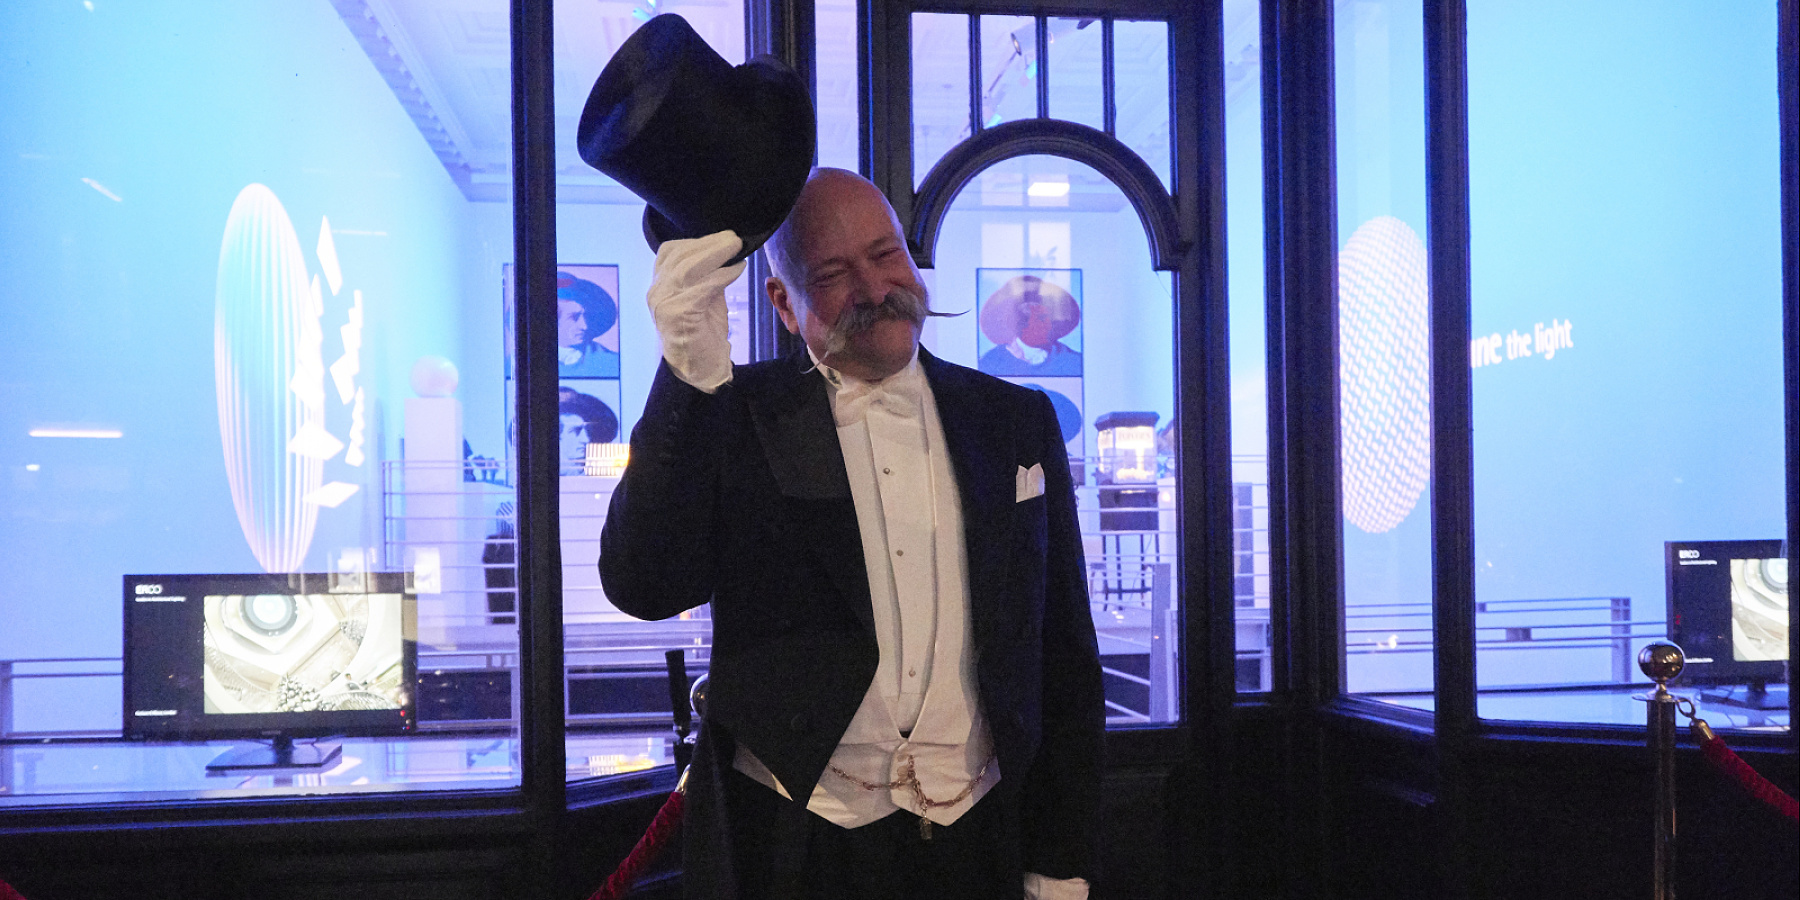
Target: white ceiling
448	63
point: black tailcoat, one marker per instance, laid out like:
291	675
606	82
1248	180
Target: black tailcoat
740	498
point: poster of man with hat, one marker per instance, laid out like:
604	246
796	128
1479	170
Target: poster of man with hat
1030	322
587	318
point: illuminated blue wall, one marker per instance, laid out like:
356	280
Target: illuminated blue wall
1629	187
129	130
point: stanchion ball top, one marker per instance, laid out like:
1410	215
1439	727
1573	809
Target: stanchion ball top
1662	661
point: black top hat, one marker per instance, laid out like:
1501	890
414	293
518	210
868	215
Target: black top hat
709	146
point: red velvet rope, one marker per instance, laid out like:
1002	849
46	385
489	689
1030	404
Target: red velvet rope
7	892
648	847
1758	786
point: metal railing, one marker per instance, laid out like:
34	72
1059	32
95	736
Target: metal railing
1563	623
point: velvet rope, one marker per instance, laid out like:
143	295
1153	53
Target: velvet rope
1759	787
667	820
7	892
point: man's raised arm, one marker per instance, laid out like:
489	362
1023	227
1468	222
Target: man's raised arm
656	550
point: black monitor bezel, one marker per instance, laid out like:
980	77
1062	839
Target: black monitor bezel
203	726
1718	670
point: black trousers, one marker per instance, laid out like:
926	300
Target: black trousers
783	852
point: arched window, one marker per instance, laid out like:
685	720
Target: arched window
1037	165
1057	285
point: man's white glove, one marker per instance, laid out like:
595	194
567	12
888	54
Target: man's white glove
687	302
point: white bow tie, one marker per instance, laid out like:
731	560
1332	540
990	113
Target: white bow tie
899	395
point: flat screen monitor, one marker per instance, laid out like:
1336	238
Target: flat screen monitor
1728	610
269	656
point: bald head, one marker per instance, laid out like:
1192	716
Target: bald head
841	250
827	191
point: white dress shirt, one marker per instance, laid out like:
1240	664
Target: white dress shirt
921	717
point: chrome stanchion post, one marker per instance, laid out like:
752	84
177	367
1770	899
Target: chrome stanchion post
1662	661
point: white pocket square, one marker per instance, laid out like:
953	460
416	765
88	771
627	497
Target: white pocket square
1029	483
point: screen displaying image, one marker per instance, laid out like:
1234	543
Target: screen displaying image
302	652
1759	609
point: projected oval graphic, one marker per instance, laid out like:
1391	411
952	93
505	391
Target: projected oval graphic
265	335
1385	373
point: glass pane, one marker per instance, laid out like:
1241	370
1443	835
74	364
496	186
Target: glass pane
616	680
1008	69
263	504
1141	92
1075	62
1629	458
834	24
1249	352
940	72
1384	348
1005	237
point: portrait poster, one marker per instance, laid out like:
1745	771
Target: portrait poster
587	329
587	411
587	320
1029	333
1029	322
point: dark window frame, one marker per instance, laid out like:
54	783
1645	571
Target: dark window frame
1184	227
1305	541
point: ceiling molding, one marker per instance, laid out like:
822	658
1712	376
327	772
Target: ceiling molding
375	27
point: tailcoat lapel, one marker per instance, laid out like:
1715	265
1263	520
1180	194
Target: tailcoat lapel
981	455
792	417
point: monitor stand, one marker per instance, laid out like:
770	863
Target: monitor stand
1755	695
281	753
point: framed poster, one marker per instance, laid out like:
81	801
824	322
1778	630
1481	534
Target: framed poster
1030	322
1030	334
587	320
588	412
587	359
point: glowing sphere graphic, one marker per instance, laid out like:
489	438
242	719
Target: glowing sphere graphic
1384	355
265	365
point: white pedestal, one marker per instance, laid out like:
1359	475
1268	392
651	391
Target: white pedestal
433	546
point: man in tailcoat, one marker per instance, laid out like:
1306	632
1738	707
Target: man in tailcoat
905	697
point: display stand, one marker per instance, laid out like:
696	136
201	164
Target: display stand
1755	695
281	753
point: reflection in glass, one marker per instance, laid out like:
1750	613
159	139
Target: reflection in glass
1249	358
1009	69
1141	93
1070	268
1626	353
834	29
616	687
1626	348
281	310
1075	83
940	89
1384	372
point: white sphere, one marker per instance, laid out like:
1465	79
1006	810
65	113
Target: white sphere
434	376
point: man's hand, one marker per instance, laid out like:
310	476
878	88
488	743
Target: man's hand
687	302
